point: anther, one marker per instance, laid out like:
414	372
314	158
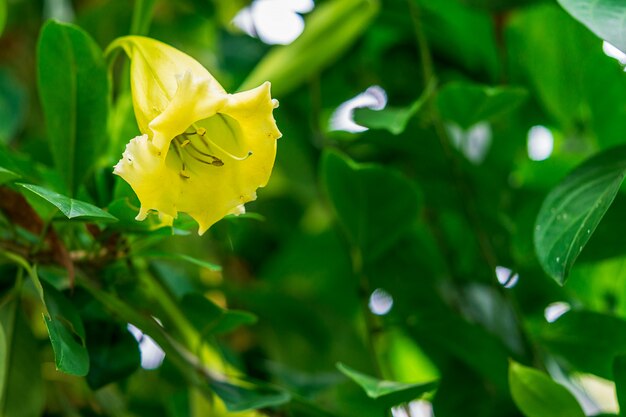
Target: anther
200	131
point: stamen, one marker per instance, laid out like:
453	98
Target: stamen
213	144
201	132
182	172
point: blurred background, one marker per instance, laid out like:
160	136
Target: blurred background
420	138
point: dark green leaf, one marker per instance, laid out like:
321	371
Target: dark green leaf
572	211
72	209
393	119
22	393
238	398
13	102
208	318
467	104
537	395
375	205
619	376
605	18
113	353
66	332
73	86
377	388
588	341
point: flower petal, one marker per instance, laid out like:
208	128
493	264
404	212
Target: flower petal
154	181
244	123
154	68
193	101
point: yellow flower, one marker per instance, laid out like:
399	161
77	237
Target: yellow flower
203	151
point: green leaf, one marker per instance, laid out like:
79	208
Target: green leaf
537	395
392	119
113	353
468	104
571	211
13	103
7	176
209	318
619	376
181	257
22	393
66	332
377	388
588	341
72	209
329	31
374	204
74	90
237	398
605	18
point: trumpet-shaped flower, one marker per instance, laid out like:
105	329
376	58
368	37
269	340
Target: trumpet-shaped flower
202	151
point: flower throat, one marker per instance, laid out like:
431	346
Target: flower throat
195	145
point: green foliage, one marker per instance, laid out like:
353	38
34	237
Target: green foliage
573	210
537	395
604	17
331	29
72	209
468	104
574	338
73	86
373	204
376	388
431	250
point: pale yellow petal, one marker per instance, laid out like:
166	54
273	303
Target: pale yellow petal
155	181
194	100
245	124
155	67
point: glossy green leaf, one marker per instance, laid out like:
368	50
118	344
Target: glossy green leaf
467	104
209	318
537	395
571	212
619	376
237	398
329	31
375	205
74	90
67	333
605	18
377	388
7	176
71	208
22	393
588	341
